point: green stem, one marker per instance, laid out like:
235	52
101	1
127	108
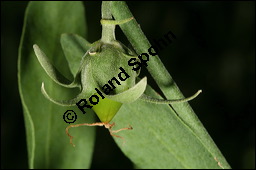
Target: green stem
108	30
136	37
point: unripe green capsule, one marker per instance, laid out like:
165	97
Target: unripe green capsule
107	68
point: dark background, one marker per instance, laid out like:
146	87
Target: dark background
214	51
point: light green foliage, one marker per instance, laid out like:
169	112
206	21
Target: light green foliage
167	85
47	142
162	137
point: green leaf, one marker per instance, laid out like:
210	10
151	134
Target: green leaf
164	80
74	46
159	138
48	145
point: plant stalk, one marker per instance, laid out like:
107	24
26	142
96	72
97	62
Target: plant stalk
108	30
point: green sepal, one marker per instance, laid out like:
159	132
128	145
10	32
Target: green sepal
149	99
70	102
50	69
131	94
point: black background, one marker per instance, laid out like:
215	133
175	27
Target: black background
214	51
